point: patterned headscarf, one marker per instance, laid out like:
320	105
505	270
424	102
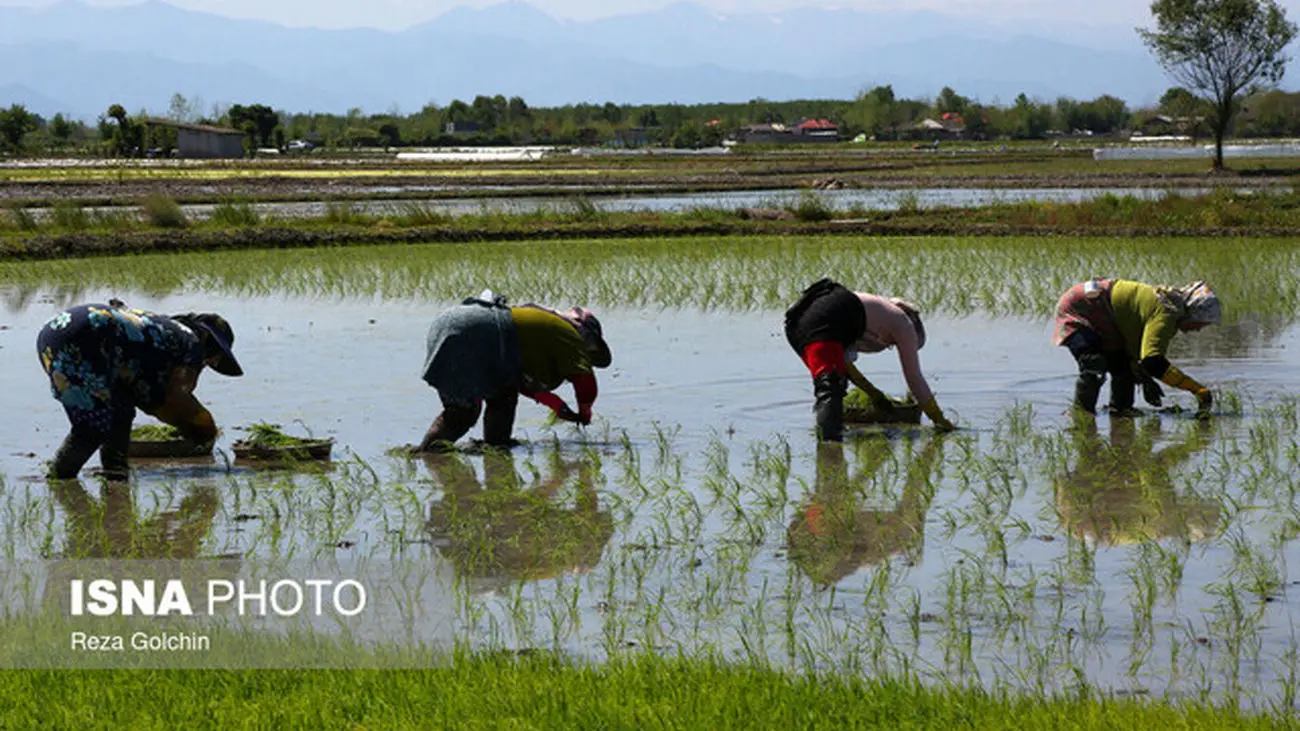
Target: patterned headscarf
1195	303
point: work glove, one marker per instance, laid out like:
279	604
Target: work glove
932	410
1204	402
1178	379
567	414
1152	393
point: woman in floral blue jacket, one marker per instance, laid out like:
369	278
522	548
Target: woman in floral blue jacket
105	361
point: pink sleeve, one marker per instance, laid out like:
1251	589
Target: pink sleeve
584	387
910	359
546	398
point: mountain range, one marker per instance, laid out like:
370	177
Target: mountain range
78	59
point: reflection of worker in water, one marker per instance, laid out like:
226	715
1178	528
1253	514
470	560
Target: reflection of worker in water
502	528
111	528
1123	492
1124	328
834	534
830	325
106	361
483	351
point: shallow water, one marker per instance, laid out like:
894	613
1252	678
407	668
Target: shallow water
882	199
1183	152
698	512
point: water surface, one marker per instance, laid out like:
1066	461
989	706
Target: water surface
699	513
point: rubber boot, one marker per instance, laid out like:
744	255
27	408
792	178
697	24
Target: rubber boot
499	419
1122	384
1086	390
451	424
1092	374
73	454
112	454
828	392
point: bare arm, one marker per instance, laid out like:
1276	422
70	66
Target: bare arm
180	409
861	382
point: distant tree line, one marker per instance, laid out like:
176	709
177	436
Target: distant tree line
1223	53
878	114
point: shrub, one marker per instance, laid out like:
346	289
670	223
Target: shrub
812	208
161	211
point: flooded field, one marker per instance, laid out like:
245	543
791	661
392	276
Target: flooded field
697	514
867	199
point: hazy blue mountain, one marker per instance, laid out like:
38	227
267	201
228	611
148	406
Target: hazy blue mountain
89	56
1000	70
89	81
35	102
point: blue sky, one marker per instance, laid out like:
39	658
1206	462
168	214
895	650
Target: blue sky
396	14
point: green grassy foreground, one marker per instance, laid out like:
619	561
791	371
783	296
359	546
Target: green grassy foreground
499	691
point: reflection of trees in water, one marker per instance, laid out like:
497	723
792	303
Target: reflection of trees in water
1122	491
19	297
506	527
1239	339
111	528
836	532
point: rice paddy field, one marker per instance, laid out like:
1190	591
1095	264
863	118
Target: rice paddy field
45	182
1029	569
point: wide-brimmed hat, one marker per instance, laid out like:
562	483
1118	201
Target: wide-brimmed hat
218	338
594	335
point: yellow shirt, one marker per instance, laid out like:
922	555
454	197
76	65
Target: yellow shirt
551	350
1144	323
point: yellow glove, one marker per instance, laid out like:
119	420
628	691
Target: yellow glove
1178	379
932	410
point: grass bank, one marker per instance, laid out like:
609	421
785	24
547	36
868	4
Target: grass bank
160	225
502	691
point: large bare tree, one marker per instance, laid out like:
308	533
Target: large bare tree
1220	49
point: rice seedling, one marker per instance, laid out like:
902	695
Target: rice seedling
112	219
70	216
415	213
996	277
909	204
342	213
22	219
234	213
583	208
